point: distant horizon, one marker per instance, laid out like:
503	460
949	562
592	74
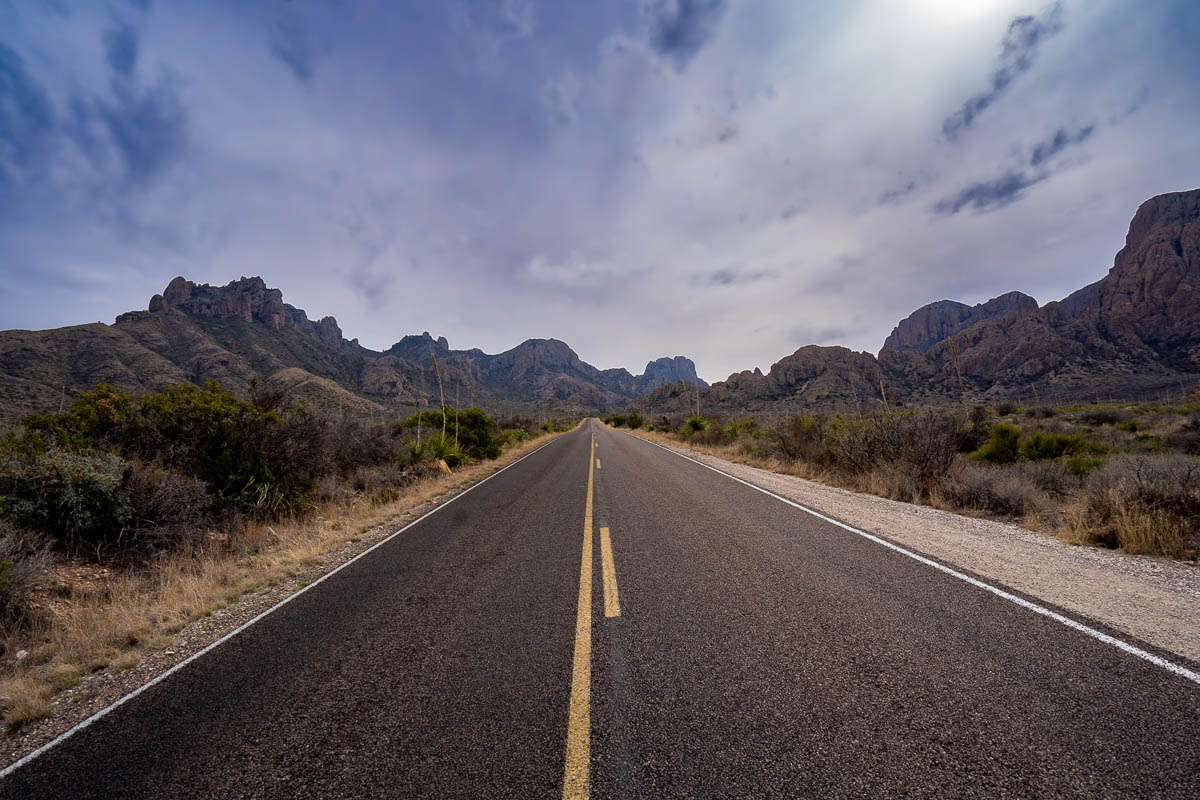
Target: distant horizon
731	181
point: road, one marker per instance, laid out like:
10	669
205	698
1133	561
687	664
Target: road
710	641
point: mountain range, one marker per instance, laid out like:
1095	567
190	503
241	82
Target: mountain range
1134	333
236	333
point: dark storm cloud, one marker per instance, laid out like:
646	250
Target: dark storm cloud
989	195
121	49
679	29
1061	140
292	45
1017	49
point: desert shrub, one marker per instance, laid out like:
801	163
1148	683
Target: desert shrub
923	445
615	420
75	497
633	420
1131	426
1102	416
1041	446
976	432
1005	409
103	505
475	432
547	427
511	436
1040	412
992	489
803	439
693	424
1142	504
166	508
24	562
443	448
1187	438
1003	445
735	430
1051	477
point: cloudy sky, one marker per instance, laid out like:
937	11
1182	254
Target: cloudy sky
727	180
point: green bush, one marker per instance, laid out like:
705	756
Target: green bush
693	424
1002	446
633	420
74	497
1081	465
473	429
735	430
1042	446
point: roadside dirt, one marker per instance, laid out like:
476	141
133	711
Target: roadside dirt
1156	600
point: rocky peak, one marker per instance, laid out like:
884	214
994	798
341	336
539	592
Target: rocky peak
666	370
248	299
1153	290
938	321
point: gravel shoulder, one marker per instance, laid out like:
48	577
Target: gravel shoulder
1155	600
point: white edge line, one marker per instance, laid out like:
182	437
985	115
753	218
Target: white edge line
62	737
1170	666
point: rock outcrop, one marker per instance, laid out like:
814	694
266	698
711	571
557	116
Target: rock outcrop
666	370
1152	294
938	321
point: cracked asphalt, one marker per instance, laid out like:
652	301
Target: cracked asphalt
759	652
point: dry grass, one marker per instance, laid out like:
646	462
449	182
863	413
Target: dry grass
107	619
25	700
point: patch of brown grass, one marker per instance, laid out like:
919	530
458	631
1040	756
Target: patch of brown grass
23	700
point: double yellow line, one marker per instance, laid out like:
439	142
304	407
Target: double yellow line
579	724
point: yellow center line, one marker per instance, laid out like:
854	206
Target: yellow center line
612	603
579	723
597	463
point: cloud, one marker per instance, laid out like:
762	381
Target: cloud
989	195
149	129
561	98
26	116
121	49
1017	49
894	196
292	45
735	276
679	29
1062	139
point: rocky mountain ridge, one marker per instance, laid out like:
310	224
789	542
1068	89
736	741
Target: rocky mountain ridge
245	331
1133	334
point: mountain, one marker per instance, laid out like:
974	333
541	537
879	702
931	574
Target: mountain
1134	333
244	330
938	321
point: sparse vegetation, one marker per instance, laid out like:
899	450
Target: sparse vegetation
1124	476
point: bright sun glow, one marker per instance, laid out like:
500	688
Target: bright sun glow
951	12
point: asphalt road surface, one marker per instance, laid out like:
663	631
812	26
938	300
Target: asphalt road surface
708	641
